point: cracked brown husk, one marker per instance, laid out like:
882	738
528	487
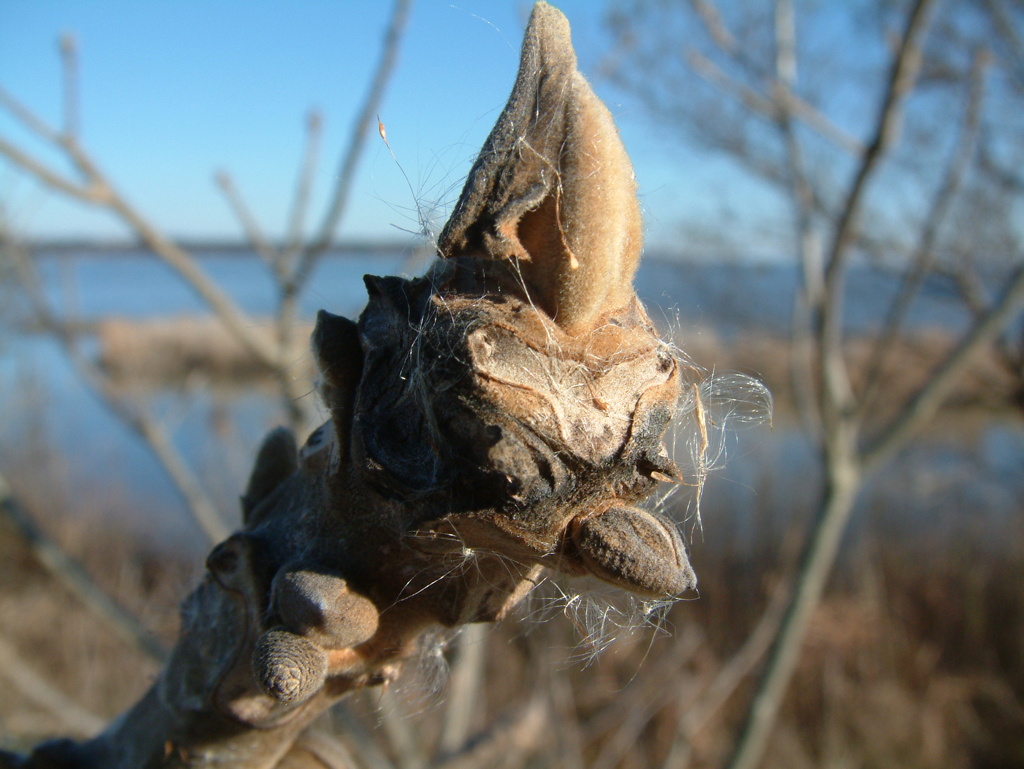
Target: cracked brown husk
507	409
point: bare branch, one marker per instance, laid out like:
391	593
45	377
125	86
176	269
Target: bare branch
971	288
357	140
240	324
269	254
782	88
785	44
203	510
76	579
92	194
296	271
809	299
843	463
715	26
326	750
464	689
286	269
69	65
197	502
307	172
836	392
27	117
905	68
696	714
924	253
360	741
564	713
756	102
100	192
930	397
403	741
522	731
629	714
819	556
720	34
768	107
34	688
1005	28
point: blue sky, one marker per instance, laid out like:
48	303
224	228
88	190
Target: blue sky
173	92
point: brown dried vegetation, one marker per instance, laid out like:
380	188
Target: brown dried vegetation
907	663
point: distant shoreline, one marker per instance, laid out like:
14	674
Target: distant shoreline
89	247
231	247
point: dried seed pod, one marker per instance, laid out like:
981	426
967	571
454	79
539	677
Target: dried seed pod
339	359
322	608
276	460
636	549
532	199
288	667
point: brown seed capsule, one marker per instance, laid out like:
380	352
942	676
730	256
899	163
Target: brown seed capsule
288	667
323	609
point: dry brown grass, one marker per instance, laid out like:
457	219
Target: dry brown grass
56	636
915	659
987	386
172	350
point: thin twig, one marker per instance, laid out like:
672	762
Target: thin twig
819	555
696	714
403	741
629	717
521	731
782	88
767	107
202	508
251	228
286	317
570	735
1011	36
714	25
303	187
836	392
924	253
98	191
27	117
843	465
291	284
809	299
241	325
37	689
353	152
752	99
91	194
286	322
360	740
69	67
930	397
464	688
70	573
329	751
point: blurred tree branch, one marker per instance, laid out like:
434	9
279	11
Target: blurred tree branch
96	189
358	549
746	66
38	690
290	265
129	411
70	573
923	257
